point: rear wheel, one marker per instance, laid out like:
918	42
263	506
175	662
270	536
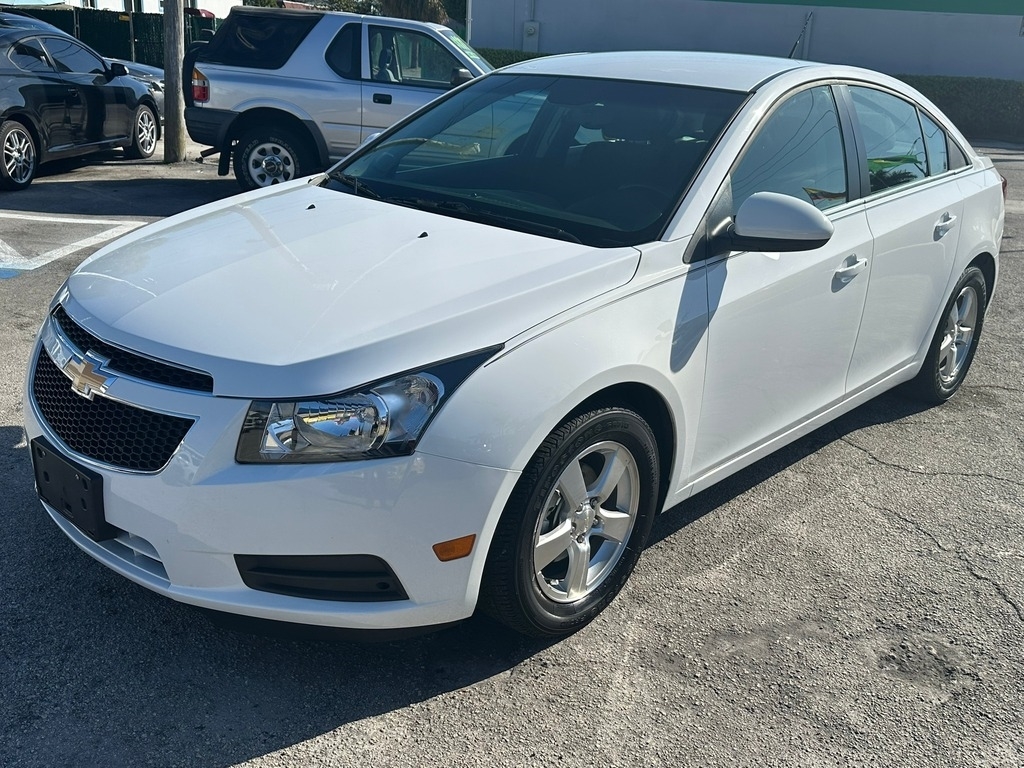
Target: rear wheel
143	135
267	156
18	158
955	340
574	526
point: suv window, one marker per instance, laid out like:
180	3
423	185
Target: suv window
892	138
29	55
409	58
798	151
69	56
343	53
259	40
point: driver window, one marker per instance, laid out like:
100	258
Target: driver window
410	58
797	151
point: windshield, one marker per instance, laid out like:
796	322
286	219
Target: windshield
600	162
467	49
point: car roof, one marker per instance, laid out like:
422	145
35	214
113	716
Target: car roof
726	71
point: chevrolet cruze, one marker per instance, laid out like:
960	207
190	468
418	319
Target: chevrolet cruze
465	368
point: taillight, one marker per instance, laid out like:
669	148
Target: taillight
200	87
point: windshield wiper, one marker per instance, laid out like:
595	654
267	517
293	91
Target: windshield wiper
359	189
461	210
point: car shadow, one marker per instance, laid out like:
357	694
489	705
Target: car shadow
93	661
145	188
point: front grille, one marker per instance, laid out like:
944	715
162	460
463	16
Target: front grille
129	363
110	432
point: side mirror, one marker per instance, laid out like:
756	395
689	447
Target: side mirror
117	69
460	76
769	221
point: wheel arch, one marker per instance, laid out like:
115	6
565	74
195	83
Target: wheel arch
987	264
648	403
265	117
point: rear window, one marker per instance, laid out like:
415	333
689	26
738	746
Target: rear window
258	40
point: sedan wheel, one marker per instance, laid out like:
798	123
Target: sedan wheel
575	524
18	160
955	340
144	136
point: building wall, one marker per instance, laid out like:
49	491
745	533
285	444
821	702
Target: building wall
987	42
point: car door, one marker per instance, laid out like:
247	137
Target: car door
97	105
783	326
43	93
404	69
914	209
339	110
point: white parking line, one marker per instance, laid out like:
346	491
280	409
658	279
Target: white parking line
11	259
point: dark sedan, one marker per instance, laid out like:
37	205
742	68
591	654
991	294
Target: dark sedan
59	99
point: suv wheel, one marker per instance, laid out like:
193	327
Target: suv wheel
266	156
18	159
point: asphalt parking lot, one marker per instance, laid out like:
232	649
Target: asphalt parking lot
855	599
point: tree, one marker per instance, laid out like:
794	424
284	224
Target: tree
420	10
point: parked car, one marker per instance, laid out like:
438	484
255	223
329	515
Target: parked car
59	98
283	93
467	366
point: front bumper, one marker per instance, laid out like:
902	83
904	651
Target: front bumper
183	525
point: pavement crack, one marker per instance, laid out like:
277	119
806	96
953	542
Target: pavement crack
926	472
964	560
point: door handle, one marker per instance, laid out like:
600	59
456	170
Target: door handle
943	225
382	98
847	273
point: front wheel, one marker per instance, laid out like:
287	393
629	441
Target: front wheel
144	135
575	525
955	340
266	156
18	158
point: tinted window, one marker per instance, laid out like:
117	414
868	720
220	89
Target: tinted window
957	158
343	53
892	138
69	56
29	55
798	152
410	58
604	162
258	40
935	143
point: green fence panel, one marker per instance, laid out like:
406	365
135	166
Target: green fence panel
62	19
108	32
149	39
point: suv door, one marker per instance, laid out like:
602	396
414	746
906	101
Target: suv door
339	112
914	208
783	326
404	70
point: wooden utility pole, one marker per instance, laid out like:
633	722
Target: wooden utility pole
174	106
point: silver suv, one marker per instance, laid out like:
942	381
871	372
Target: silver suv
285	93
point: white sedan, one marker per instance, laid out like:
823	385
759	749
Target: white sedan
465	368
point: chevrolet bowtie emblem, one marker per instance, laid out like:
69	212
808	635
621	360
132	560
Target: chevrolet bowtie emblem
85	381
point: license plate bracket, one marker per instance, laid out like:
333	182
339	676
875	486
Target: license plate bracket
73	490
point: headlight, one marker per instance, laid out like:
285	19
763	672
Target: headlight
382	419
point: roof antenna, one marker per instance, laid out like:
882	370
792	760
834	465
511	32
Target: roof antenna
801	35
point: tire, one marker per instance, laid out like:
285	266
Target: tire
574	526
19	159
955	341
270	155
144	134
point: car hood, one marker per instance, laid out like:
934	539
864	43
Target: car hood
302	291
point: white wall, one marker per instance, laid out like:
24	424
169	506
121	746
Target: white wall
898	42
